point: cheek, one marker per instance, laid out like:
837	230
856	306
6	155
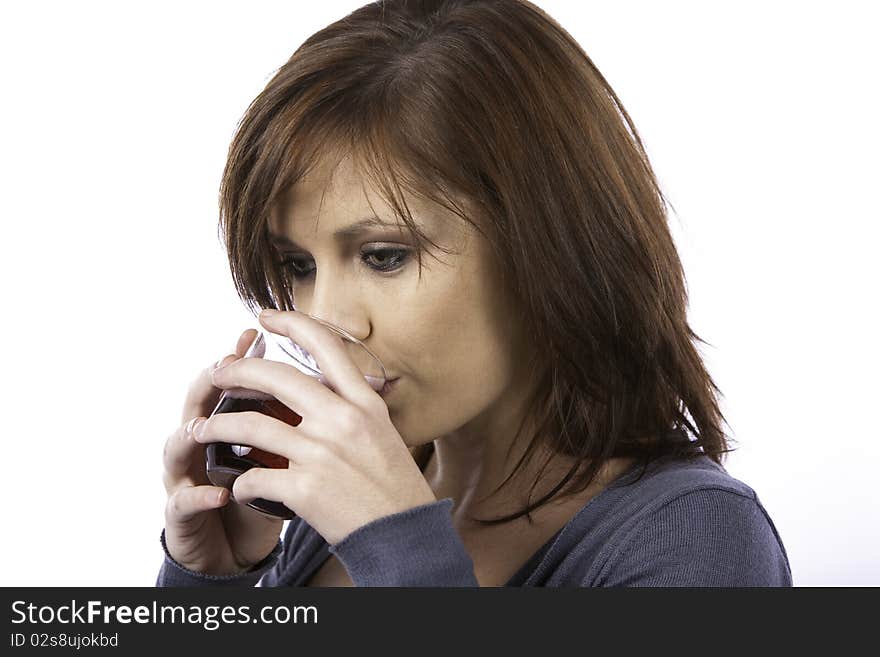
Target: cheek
456	376
458	359
447	402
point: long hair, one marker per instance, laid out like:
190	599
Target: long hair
492	101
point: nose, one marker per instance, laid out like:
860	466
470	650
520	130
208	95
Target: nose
335	301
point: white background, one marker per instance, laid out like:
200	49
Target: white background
760	119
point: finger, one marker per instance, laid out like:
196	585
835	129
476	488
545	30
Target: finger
245	341
262	431
189	501
296	390
328	349
202	396
180	451
266	483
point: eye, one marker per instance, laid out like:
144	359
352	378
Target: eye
382	261
385	260
292	265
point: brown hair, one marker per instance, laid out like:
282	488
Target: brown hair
494	102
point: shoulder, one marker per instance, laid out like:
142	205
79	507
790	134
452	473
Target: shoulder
690	523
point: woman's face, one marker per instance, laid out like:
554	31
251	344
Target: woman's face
449	337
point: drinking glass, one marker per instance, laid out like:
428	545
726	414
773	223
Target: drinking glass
226	462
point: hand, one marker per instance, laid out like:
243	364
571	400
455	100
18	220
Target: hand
203	532
348	465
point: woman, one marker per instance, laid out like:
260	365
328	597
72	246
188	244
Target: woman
456	185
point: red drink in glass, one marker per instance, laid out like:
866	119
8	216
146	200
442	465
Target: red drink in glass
226	462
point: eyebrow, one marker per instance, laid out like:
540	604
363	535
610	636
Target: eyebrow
342	234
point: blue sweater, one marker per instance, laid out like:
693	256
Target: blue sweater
683	523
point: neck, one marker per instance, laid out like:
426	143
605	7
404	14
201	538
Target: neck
469	464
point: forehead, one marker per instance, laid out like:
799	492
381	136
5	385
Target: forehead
326	196
331	198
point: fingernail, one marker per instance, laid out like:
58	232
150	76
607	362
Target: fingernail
223	362
220	495
199	427
189	426
268	312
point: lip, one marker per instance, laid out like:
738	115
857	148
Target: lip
389	386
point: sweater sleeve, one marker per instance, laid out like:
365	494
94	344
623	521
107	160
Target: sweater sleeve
415	547
705	538
174	574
